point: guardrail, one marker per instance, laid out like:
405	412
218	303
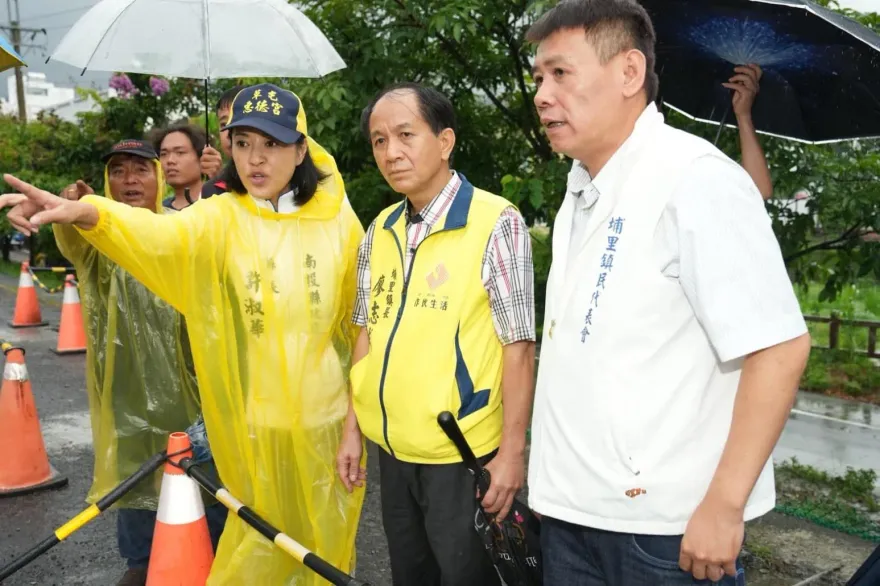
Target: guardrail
834	323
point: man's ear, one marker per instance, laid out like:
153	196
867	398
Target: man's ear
447	143
634	72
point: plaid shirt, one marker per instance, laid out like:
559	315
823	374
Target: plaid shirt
508	275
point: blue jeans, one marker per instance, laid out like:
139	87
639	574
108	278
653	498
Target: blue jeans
580	556
134	532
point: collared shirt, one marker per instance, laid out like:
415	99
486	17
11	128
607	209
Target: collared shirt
586	194
507	272
286	204
715	238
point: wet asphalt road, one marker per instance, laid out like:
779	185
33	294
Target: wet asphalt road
89	557
829	434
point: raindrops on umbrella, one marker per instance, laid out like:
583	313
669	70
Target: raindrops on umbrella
740	41
821	79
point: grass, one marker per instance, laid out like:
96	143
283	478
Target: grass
842	372
845	503
50	280
859	301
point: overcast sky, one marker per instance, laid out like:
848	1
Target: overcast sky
56	16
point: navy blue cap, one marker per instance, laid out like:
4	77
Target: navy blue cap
267	108
131	146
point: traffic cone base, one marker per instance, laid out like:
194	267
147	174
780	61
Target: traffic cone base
71	332
182	553
27	306
56	480
25	466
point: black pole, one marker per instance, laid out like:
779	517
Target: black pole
284	542
84	517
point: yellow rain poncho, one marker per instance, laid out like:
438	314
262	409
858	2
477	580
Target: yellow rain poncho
139	371
267	299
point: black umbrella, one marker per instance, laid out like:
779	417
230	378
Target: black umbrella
869	573
514	545
821	78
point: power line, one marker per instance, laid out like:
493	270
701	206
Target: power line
59	27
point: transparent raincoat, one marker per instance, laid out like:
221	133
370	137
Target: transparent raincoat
267	299
139	370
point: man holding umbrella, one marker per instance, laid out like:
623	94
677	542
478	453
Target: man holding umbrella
673	341
744	85
211	161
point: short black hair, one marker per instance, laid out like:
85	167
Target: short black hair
435	108
195	134
227	98
304	182
612	26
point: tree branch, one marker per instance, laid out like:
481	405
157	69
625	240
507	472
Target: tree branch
452	50
827	245
519	65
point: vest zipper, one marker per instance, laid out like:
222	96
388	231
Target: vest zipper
394	329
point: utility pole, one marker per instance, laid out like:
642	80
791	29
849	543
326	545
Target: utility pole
16	42
16	29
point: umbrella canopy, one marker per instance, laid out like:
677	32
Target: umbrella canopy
514	545
202	39
869	573
8	55
821	78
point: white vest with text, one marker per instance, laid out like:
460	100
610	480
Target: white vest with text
632	406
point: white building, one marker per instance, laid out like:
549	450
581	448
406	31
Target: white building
41	94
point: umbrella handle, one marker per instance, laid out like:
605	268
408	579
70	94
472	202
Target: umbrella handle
449	425
721	124
207	107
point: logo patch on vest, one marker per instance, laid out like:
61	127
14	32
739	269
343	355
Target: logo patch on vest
634	492
436	278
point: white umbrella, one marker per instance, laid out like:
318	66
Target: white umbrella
203	39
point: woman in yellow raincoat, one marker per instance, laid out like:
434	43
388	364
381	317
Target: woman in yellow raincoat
265	277
139	372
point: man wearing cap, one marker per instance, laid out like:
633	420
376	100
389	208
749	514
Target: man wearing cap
139	373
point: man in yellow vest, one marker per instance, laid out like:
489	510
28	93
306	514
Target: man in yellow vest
446	306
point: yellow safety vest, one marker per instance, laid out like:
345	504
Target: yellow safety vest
433	345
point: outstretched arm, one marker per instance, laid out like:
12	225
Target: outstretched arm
158	250
73	246
745	86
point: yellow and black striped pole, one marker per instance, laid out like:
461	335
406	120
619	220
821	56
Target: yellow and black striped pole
70	270
84	517
43	286
283	541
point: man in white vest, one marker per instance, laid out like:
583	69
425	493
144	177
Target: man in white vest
673	342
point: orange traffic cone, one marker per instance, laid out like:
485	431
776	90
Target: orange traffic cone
182	553
27	307
71	333
25	466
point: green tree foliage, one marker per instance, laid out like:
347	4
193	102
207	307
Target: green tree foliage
475	52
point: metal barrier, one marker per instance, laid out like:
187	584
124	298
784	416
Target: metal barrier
41	285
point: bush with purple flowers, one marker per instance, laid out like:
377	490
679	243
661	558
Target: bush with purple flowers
123	85
159	86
